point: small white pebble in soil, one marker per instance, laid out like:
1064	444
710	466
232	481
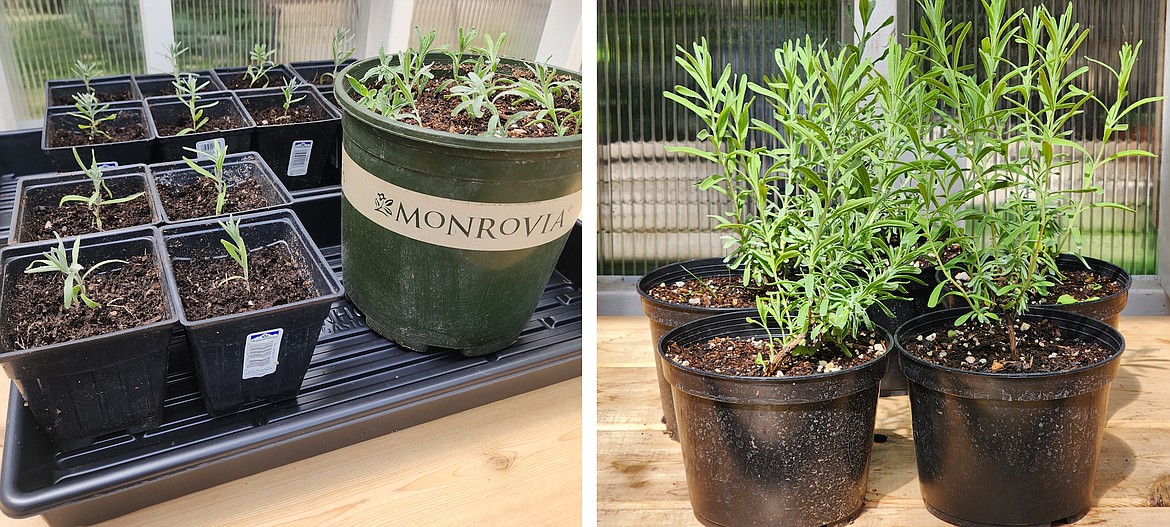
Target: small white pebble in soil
878	348
919	338
1053	355
686	363
931	337
1024	326
982	361
930	354
695	301
758	344
663	284
942	354
970	360
679	284
962	276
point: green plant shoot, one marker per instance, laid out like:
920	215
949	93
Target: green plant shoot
174	54
288	91
343	48
260	63
218	155
237	250
96	199
86	71
187	90
88	109
57	259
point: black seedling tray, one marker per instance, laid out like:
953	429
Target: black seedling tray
359	386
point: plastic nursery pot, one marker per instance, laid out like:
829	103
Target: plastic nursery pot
61	135
298	152
261	354
84	388
314	72
1009	449
112	88
917	297
471	225
173	178
46	191
161	84
665	316
233	78
776	451
170	111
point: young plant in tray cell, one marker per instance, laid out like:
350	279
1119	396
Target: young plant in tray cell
288	91
342	48
1007	138
57	259
187	90
173	54
217	156
86	71
88	110
260	63
96	199
237	250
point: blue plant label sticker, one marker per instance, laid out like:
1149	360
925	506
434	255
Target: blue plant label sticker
261	353
207	148
298	157
458	224
107	165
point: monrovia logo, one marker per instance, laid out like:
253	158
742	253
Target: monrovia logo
468	225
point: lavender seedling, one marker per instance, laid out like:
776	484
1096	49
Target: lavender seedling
86	71
172	54
237	250
343	49
57	259
261	63
187	90
545	91
217	156
288	91
88	107
95	200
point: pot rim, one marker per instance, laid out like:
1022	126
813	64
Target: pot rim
643	291
348	105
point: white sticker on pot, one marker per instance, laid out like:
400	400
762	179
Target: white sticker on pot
298	157
207	148
470	225
261	350
105	165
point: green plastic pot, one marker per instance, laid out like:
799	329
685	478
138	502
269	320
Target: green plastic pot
448	240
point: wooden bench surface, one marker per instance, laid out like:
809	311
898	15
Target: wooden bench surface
640	478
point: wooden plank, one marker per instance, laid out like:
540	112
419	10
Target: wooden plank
511	462
641	479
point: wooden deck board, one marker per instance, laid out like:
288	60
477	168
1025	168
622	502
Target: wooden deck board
640	478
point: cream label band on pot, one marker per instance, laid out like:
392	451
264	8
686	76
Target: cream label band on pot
469	225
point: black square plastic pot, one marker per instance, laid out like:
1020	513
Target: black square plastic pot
161	84
81	389
224	347
47	191
276	77
171	109
298	153
313	72
237	169
125	152
114	88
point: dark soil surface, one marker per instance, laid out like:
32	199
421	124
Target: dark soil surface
1081	285
718	291
214	124
184	202
435	108
130	294
275	279
984	348
243	82
74	218
949	253
63	135
302	112
103	94
737	356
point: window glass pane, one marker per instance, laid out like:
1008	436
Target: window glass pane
522	20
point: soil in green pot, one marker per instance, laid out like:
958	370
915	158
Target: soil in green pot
130	295
984	348
275	279
74	218
197	200
739	356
